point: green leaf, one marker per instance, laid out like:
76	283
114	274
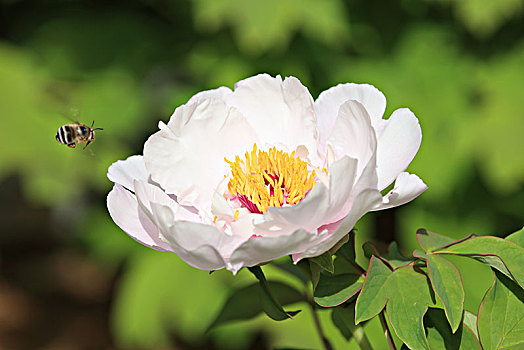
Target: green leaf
344	319
325	261
447	284
293	269
431	240
503	255
395	258
501	315
409	297
374	293
269	303
470	321
243	303
440	336
517	237
333	290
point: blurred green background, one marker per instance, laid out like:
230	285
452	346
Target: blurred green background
70	279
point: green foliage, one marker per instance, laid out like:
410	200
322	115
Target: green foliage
261	26
128	66
501	315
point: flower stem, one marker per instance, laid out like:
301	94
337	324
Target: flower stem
325	342
387	332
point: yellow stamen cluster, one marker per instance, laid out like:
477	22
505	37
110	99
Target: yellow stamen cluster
270	179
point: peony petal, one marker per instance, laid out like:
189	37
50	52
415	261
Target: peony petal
364	197
398	144
329	102
264	249
123	172
219	93
353	134
309	214
282	112
147	193
126	213
186	157
407	187
201	246
320	207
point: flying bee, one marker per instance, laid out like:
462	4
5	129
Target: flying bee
71	134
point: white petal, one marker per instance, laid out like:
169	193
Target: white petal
199	245
282	112
187	157
123	172
364	197
147	193
263	249
398	143
353	134
407	187
309	214
126	213
219	93
329	102
320	207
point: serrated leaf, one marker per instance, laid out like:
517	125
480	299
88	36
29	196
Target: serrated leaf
344	319
447	284
517	237
503	255
501	315
429	240
440	336
333	290
373	295
409	297
243	304
270	304
325	261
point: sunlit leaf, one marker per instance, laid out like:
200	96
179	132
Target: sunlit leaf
431	240
501	315
409	297
447	284
517	237
374	293
503	255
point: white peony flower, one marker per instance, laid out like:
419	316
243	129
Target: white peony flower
238	178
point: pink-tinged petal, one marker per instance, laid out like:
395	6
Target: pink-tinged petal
364	197
329	102
124	172
321	206
308	215
264	249
127	214
200	245
407	187
398	144
363	203
353	134
186	157
282	112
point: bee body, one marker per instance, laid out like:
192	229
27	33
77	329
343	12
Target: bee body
71	134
